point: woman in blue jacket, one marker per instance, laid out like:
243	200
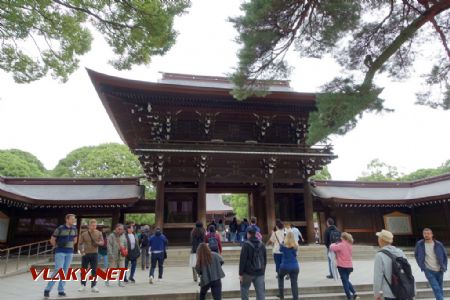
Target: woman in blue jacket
289	265
158	246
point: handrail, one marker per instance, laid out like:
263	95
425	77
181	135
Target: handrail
25	245
14	255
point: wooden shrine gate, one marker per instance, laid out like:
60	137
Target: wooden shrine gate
193	138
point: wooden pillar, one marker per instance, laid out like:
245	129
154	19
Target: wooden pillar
340	219
251	205
415	224
446	208
308	202
115	218
270	204
159	205
201	198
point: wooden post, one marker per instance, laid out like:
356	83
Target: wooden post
446	209
340	220
201	198
308	202
159	205
115	218
270	204
251	205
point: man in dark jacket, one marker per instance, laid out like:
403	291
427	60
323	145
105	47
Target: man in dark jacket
252	265
328	239
431	256
133	251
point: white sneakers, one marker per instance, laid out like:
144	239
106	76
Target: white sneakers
95	290
150	280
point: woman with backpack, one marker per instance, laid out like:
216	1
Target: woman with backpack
143	243
212	239
276	239
289	265
344	251
209	267
198	234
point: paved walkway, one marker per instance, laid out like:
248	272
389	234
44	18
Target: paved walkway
179	280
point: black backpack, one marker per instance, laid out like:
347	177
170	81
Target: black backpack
335	236
144	240
213	243
257	259
402	281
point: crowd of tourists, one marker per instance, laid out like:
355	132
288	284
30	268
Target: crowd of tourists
121	248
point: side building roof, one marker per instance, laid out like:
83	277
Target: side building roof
30	192
369	193
214	204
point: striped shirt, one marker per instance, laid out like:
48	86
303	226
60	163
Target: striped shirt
65	238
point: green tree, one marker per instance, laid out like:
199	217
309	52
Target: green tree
323	174
365	37
51	35
18	163
239	203
425	173
379	171
105	160
141	219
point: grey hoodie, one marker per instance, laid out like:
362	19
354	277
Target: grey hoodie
383	267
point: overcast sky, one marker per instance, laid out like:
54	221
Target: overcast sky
50	119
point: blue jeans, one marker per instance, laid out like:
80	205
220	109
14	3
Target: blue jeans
277	258
329	263
258	283
157	258
436	280
242	237
233	236
62	261
103	259
133	268
345	277
293	276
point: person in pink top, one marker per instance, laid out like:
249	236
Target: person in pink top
343	250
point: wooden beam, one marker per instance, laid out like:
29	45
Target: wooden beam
289	190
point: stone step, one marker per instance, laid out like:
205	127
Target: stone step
312	293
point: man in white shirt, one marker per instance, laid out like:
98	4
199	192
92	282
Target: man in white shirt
297	234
